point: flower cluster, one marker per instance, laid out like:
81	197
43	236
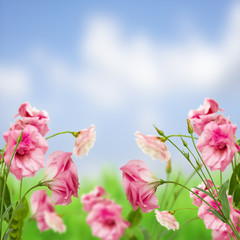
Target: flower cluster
216	143
216	147
104	215
24	155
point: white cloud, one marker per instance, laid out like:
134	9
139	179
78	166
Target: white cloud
136	65
114	67
14	81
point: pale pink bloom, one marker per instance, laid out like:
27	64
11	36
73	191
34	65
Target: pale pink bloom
212	222
90	199
167	219
62	177
40	203
217	145
203	115
84	141
106	220
31	116
153	146
221	120
54	221
217	235
30	153
197	201
140	185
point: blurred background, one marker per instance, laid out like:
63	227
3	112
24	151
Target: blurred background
121	65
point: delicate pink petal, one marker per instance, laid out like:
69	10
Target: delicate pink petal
153	146
140	185
167	220
84	141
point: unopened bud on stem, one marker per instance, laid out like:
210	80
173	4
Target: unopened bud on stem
169	166
190	128
160	132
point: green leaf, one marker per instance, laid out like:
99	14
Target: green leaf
5	237
218	215
204	191
235	179
233	183
224	200
7	211
236	196
22	210
135	217
146	233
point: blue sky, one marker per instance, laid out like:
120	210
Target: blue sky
122	65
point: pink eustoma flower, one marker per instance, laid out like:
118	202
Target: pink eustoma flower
106	220
55	222
43	212
167	219
216	235
61	177
31	116
212	222
203	115
196	200
140	185
92	198
217	145
84	141
30	153
153	146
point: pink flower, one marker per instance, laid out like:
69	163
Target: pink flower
140	185
197	201
106	221
43	212
31	116
30	153
153	146
92	198
166	219
216	235
203	115
217	145
212	222
54	221
84	141
62	177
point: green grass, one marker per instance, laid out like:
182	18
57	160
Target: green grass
75	218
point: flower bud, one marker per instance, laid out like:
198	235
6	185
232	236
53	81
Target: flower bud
160	132
169	166
190	128
184	143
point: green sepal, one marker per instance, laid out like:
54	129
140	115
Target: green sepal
134	217
224	200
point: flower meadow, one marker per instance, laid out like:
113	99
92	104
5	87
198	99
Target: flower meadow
41	197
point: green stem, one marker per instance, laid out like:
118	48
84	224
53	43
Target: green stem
213	194
181	185
203	162
20	193
19	139
30	189
165	191
60	133
177	194
232	226
179	135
